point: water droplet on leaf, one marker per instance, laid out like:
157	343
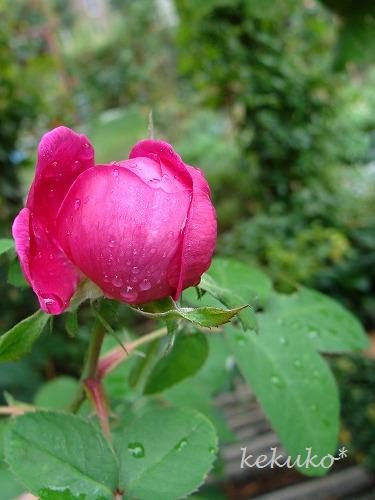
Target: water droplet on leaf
136	450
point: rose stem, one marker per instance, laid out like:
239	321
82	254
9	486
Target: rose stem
113	358
91	367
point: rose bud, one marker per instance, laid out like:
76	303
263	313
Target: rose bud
140	229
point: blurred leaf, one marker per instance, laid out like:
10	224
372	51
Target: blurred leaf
52	452
191	394
15	275
57	393
159	447
19	340
71	323
246	281
294	386
6	244
329	326
232	283
186	357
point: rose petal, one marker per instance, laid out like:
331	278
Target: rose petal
171	167
62	156
52	277
199	235
122	230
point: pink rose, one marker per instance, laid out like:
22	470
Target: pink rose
141	229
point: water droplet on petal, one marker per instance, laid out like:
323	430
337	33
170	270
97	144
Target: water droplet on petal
145	285
76	165
115	172
53	304
129	295
51	193
135	270
133	165
136	450
111	243
117	281
54	164
77	203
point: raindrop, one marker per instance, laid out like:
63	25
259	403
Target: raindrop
136	450
133	165
115	172
86	145
312	334
170	234
145	285
240	339
181	444
52	303
276	381
106	278
54	164
134	251
77	203
51	193
117	281
128	294
111	243
135	269
76	165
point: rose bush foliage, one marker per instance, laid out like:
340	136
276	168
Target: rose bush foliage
141	229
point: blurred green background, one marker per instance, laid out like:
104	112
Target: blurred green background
273	99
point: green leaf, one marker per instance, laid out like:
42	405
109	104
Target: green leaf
191	394
10	487
6	244
60	453
166	454
186	358
329	326
248	284
294	386
19	340
15	275
234	283
202	316
71	323
56	394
